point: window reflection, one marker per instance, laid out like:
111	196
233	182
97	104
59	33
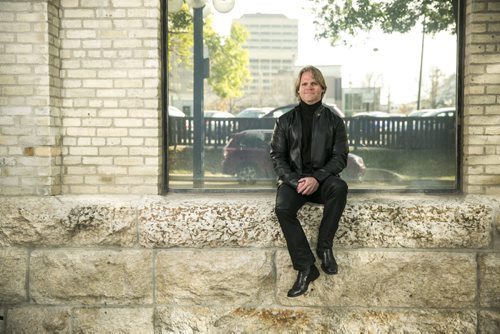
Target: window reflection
373	79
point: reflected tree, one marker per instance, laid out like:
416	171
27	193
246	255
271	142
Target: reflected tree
337	19
180	38
441	91
435	79
228	58
229	63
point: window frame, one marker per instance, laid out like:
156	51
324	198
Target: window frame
459	103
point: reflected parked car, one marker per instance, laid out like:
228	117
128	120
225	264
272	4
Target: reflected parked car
417	113
277	112
253	112
246	156
175	112
372	114
440	112
217	114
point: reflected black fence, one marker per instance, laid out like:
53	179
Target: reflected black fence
379	132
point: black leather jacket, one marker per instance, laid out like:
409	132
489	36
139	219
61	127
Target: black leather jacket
329	146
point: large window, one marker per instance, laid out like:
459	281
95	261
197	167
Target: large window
393	77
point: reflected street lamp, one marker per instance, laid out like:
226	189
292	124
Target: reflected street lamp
200	69
421	65
223	6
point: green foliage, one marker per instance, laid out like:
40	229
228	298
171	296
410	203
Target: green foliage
338	18
228	59
228	62
180	37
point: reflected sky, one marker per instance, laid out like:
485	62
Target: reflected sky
392	60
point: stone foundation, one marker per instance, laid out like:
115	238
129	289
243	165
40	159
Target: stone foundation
198	263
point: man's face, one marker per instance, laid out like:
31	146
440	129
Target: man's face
309	89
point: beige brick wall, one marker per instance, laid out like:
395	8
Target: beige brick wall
80	97
30	153
110	74
481	159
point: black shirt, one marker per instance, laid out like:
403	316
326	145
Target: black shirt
306	114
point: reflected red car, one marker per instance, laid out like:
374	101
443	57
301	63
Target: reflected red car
246	156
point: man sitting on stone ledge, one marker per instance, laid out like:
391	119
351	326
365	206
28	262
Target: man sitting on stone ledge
309	150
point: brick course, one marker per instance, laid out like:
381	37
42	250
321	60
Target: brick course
108	47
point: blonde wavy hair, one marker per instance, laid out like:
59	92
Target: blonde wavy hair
317	75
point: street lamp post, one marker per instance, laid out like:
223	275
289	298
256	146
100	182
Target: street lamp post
421	65
200	69
199	129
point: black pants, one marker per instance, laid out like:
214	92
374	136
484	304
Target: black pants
333	194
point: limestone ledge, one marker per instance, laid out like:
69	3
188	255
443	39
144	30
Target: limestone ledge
241	220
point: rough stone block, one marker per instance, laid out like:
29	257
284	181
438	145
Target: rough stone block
415	224
68	276
310	320
39	319
189	319
387	279
489	322
203	222
13	268
489	271
113	320
214	277
51	221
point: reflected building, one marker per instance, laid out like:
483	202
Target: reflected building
273	51
361	99
272	46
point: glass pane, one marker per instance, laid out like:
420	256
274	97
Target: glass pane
392	80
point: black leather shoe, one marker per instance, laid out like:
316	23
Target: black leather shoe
302	282
328	263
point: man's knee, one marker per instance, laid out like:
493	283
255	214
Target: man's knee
337	187
342	186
